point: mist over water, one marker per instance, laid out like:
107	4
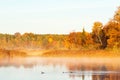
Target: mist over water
58	69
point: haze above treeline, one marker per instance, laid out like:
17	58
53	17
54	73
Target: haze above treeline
101	37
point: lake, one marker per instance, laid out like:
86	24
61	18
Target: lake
36	68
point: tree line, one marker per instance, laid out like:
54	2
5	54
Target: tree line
101	37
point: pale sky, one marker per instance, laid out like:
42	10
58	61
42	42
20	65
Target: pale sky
53	16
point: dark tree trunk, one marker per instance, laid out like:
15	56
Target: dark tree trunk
104	40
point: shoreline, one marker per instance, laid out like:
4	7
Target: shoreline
74	53
61	53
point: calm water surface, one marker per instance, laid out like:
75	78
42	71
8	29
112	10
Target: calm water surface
59	69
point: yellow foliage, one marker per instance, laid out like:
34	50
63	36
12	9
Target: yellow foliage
50	40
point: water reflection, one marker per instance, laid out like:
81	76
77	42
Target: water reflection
59	69
103	71
96	76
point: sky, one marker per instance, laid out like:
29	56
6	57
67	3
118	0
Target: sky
54	16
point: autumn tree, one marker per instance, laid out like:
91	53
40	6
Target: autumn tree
89	40
74	39
117	15
112	30
83	38
98	35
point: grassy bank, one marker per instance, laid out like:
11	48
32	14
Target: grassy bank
11	53
61	53
82	53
